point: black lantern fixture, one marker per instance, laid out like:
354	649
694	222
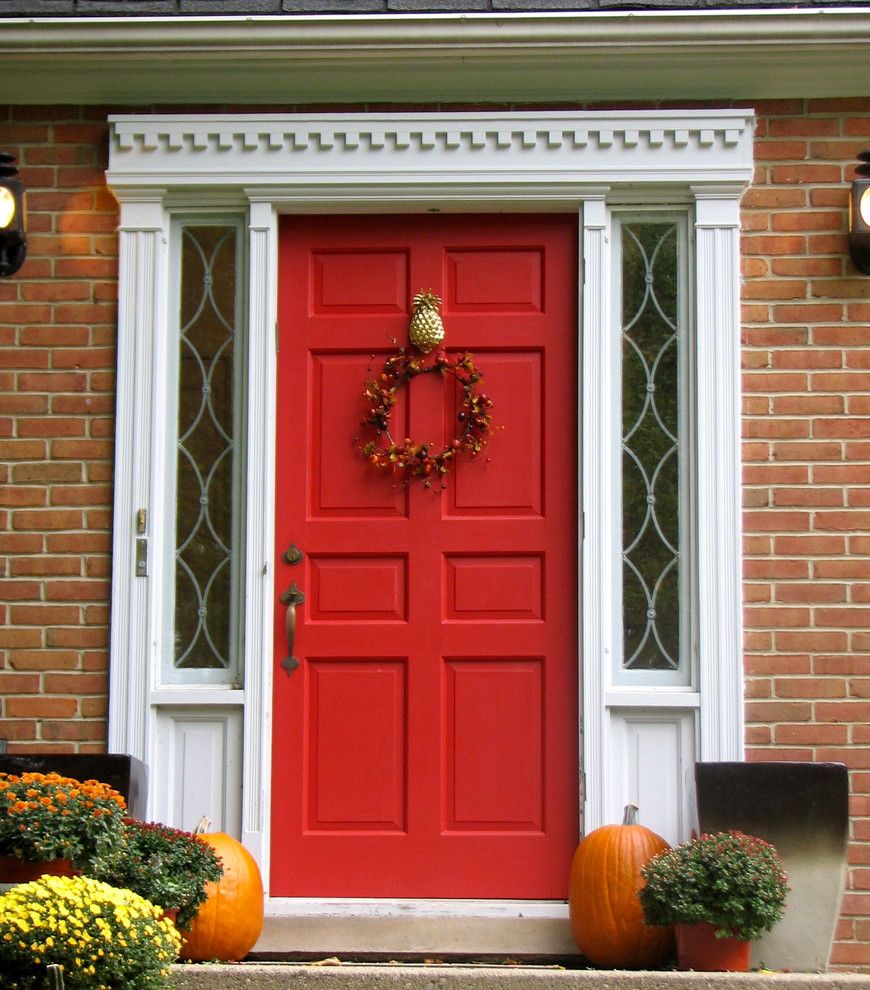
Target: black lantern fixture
859	215
13	242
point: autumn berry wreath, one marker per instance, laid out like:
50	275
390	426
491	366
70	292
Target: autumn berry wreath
413	459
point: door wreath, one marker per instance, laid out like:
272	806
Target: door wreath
411	458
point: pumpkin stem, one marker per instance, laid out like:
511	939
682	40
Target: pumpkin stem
630	815
204	824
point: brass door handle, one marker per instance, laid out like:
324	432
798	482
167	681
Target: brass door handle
291	598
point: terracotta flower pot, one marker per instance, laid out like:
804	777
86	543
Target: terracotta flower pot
699	949
15	870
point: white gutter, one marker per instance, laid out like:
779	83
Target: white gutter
438	57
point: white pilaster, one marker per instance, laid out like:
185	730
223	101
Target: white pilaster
260	528
138	472
720	657
600	388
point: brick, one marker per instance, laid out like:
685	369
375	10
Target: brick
73	730
77	542
795	429
21	450
776	568
44	615
81	449
787	450
812	593
808	405
812	359
771	754
46	471
46	519
810	687
844	618
51	426
75	684
845	664
23	403
80	638
43	660
852	568
771	521
18	591
39	707
843	474
807	313
846	520
12	496
18	683
775	474
808	220
804	126
15	637
772	244
841	382
803	174
20	543
779	711
53	381
780	617
810	640
78	591
775	336
777	664
810	735
842	711
754	639
809	496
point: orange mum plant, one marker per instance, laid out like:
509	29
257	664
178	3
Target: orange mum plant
47	816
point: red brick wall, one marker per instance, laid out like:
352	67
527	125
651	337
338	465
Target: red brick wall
807	464
57	360
807	454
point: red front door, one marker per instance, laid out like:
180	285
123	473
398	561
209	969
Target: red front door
426	746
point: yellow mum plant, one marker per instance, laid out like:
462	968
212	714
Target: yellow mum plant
105	938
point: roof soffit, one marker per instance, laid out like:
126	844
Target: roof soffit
579	57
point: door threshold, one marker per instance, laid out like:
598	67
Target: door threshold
416	935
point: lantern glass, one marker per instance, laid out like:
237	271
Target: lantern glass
7	208
864	206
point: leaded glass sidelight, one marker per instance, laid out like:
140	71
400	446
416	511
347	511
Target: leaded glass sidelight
654	389
208	502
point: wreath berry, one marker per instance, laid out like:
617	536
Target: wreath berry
412	459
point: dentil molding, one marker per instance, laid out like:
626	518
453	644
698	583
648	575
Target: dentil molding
271	150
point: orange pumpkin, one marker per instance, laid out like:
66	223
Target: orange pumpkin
606	916
230	920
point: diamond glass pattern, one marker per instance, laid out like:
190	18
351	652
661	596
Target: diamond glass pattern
650	448
206	448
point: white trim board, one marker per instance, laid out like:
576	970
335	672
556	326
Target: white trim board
570	162
511	57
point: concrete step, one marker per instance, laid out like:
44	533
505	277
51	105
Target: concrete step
355	976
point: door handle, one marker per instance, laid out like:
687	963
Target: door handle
291	598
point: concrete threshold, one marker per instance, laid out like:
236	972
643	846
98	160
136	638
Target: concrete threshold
335	975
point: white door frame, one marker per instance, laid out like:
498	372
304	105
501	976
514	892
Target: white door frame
585	162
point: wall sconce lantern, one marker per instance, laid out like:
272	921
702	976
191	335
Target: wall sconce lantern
13	242
859	215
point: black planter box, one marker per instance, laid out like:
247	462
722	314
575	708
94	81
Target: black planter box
803	809
126	774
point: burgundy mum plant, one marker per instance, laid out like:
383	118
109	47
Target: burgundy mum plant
731	880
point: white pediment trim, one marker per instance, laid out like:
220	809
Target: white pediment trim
533	150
